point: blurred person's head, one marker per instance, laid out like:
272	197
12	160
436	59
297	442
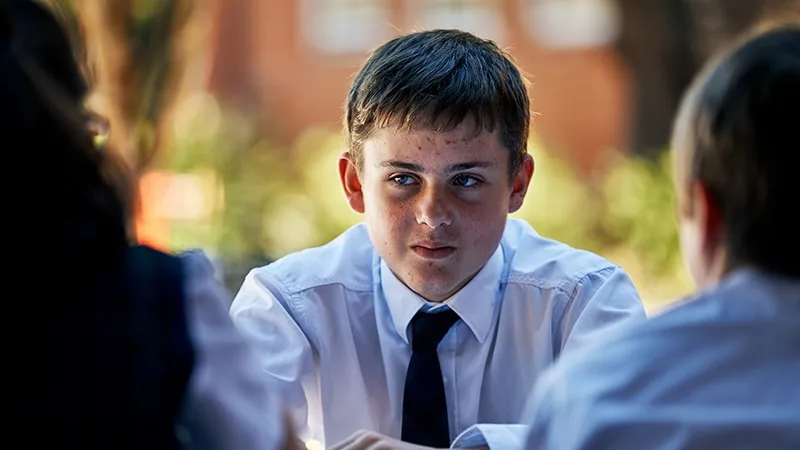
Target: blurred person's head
737	151
70	203
437	127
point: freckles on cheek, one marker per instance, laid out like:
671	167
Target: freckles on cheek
391	220
484	227
395	211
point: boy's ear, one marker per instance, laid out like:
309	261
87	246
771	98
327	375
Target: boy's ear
709	214
348	175
520	183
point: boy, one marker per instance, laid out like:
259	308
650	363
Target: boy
718	370
437	313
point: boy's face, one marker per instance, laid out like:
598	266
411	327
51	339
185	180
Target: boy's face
435	203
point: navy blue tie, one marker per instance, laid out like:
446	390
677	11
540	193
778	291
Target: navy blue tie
424	405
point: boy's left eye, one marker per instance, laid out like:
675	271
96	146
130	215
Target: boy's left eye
465	181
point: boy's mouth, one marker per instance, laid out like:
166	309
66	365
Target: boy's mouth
433	251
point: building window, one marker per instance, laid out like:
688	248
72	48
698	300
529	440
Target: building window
479	17
572	24
344	26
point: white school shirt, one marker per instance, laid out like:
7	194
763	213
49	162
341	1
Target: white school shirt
227	405
330	325
719	371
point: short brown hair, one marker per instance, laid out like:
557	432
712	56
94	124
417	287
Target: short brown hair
740	122
437	79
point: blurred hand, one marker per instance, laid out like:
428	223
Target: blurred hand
292	442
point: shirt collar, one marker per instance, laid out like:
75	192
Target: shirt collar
474	303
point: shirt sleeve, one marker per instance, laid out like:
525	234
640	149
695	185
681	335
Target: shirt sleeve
548	411
601	301
284	354
227	405
493	436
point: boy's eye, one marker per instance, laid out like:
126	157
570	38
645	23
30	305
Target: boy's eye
465	181
403	180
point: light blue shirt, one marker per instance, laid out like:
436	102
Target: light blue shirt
226	404
330	326
721	370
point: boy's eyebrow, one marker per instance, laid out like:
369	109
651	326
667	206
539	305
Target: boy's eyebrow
411	167
393	164
469	165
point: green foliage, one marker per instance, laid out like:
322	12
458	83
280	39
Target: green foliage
631	206
251	172
639	211
626	216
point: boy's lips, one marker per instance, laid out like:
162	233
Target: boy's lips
433	251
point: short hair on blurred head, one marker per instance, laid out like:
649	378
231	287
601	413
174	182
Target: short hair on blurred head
738	125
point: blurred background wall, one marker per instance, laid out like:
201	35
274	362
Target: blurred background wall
229	112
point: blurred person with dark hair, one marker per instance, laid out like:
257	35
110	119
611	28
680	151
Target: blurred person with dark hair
718	370
427	325
125	347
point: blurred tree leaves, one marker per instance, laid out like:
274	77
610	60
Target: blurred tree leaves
137	58
627	213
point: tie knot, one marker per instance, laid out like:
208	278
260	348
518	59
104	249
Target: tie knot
428	329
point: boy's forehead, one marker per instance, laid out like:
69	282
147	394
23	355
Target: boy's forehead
459	137
429	146
431	118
